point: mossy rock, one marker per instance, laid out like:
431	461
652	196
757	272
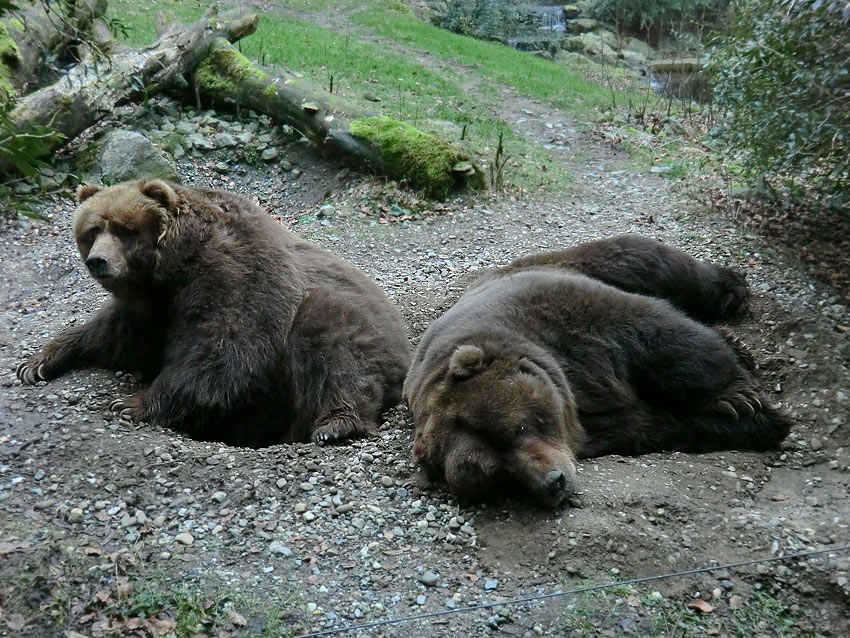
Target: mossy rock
9	57
426	162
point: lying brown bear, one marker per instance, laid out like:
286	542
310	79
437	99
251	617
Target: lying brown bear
251	336
538	364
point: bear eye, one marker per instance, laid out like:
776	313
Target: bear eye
122	232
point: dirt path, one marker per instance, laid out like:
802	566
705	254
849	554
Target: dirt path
349	534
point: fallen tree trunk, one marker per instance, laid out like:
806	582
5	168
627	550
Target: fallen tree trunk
380	144
200	57
86	93
44	35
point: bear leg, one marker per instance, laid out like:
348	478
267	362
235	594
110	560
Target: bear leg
113	338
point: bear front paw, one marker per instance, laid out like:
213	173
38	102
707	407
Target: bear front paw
128	408
33	370
339	428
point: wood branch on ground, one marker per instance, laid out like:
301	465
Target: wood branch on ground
379	144
88	93
43	35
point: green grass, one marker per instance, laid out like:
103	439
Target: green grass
138	17
610	612
529	74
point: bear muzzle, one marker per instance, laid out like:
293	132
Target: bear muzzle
98	267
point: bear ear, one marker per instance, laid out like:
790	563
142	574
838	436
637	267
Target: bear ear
466	361
160	191
87	190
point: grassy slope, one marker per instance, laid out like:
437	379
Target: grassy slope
529	74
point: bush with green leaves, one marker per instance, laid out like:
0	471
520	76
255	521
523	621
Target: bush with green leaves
783	79
481	18
656	18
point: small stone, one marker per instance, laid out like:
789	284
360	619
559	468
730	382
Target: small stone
450	603
309	516
420	599
281	483
386	481
345	507
270	154
359	523
219	497
276	547
307	487
491	584
428	578
184	538
39	474
75	515
815	444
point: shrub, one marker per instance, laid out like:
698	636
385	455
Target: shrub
782	78
655	18
481	18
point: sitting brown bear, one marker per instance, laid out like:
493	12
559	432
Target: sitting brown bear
538	364
251	335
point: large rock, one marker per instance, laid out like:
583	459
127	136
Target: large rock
641	47
126	155
582	25
600	46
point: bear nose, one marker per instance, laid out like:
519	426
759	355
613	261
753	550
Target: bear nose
97	266
554	482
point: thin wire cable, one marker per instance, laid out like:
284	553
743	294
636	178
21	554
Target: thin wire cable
571	592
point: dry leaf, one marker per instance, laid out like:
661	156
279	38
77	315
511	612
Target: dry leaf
7	548
124	587
164	625
701	605
104	595
74	634
736	601
92	551
16	622
632	601
236	618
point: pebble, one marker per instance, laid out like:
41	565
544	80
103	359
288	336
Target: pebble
276	547
815	444
491	584
75	515
428	578
219	497
386	481
184	539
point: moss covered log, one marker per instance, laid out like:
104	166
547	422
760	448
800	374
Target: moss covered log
426	161
379	144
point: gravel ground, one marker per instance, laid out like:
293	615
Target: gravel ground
349	534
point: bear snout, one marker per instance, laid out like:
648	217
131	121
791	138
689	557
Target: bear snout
555	487
98	266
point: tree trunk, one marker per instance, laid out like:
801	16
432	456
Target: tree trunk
86	94
379	144
46	35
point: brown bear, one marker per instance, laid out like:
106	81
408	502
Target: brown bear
634	263
536	366
251	336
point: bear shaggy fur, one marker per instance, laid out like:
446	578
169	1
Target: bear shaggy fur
539	364
250	335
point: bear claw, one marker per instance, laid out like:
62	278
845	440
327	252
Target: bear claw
729	409
30	374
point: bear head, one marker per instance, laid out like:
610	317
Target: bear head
119	229
495	418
